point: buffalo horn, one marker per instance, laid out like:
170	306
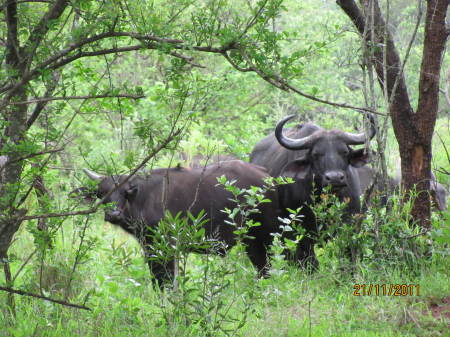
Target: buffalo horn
290	143
360	138
93	175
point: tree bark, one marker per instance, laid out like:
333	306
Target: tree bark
413	129
13	135
436	36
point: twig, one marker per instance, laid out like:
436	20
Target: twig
58	215
408	51
31	155
41	105
285	86
188	59
78	256
47	99
23	265
416	235
45	298
9	280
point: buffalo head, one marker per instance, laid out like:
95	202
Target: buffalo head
327	154
119	193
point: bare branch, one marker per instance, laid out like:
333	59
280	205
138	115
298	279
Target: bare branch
31	155
253	20
45	298
188	59
58	215
41	105
101	52
235	66
40	30
408	50
63	98
285	86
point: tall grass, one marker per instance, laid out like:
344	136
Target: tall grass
221	296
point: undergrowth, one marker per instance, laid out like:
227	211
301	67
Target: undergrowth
221	295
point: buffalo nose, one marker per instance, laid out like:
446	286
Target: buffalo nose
113	215
334	178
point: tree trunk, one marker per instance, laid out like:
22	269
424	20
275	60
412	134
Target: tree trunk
413	130
16	116
436	35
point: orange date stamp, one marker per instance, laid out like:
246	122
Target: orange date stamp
386	289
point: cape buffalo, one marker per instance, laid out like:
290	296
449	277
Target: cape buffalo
314	158
367	175
140	203
437	191
370	189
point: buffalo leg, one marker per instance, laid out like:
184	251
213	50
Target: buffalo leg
305	255
162	272
257	253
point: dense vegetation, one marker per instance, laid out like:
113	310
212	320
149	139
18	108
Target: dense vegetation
209	103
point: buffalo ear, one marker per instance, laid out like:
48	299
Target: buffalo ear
296	169
131	192
359	158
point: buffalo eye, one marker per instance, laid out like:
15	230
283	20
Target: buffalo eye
131	192
344	153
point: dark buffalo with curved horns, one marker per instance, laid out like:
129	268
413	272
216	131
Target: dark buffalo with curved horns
141	202
314	158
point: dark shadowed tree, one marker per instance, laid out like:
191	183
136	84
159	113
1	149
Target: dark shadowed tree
413	126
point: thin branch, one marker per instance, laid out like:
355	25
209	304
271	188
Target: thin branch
40	30
445	147
45	298
48	99
394	65
9	281
78	257
285	86
101	52
23	265
58	215
408	50
424	232
235	66
253	20
188	59
31	155
48	93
